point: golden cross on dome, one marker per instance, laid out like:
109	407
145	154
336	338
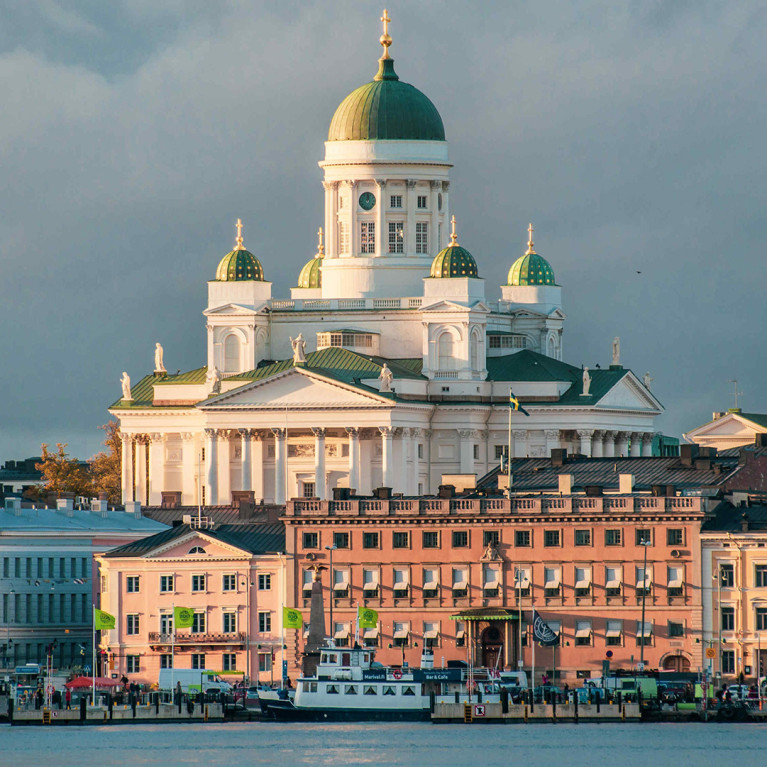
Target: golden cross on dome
385	38
453	235
320	246
239	236
530	239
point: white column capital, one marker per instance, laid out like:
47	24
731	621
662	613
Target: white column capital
279	432
319	431
386	431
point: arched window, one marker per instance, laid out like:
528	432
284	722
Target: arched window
197	550
445	352
232	354
474	344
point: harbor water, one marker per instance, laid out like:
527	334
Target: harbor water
400	745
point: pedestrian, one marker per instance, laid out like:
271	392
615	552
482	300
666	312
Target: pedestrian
178	692
68	698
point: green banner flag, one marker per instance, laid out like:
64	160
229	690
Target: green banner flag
292	619
102	621
183	617
367	618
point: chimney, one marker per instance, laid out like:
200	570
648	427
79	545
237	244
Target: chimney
688	453
446	491
744	523
558	456
593	491
760	440
67	505
717	415
566	484
670	491
382	493
625	484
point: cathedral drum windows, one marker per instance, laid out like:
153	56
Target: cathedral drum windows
232	354
421	237
367	237
396	237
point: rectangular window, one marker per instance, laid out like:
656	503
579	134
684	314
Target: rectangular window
395	201
460	582
760	576
551	538
401	540
430	582
396	237
367	237
421	202
308	579
166	623
341	540
675	536
229	661
198	660
644	633
308	490
198	623
430	539
642	535
229	582
166	583
613	537
552	584
522	539
401	586
311	540
370	540
369	583
728	661
131	624
761	618
475	451
582	581
265	622
491	537
614	633
230	622
131	584
728	618
675	581
166	660
132	665
583	537
198	583
343	237
727	576
341	584
582	633
422	237
675	629
264	662
460	539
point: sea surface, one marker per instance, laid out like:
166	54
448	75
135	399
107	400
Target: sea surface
403	745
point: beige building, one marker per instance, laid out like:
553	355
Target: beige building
729	429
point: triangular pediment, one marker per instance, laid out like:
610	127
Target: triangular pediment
529	313
629	394
232	309
558	314
297	389
446	305
181	547
729	425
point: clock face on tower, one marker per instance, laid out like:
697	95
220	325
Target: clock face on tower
367	200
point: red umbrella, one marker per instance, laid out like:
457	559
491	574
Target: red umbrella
85	682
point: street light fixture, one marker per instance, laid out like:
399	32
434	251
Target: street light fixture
644	543
331	549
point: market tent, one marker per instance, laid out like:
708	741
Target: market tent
84	682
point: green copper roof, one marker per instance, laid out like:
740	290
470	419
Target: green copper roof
386	109
531	269
454	261
311	274
239	265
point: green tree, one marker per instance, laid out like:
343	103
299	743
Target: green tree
106	467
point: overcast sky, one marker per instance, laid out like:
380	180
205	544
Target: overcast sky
133	134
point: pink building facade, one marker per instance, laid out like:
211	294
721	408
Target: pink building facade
231	576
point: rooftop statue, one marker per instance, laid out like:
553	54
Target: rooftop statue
586	383
158	364
125	381
213	379
616	351
299	348
386	378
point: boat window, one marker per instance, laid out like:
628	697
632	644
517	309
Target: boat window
388	690
324	658
364	657
332	689
408	690
331	658
370	689
346	659
310	686
351	689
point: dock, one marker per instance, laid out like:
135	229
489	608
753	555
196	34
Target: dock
498	713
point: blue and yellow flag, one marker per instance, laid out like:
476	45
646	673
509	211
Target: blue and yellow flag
514	403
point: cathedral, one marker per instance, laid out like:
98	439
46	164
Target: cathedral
388	365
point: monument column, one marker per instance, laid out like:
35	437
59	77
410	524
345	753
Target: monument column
280	450
354	456
211	461
189	469
156	468
141	494
245	466
319	462
386	455
127	468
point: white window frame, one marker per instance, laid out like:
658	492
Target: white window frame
367	238
396	242
422	237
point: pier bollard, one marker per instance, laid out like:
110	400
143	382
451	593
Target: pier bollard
575	704
432	701
10	709
157	703
531	698
83	704
553	705
527	713
623	712
504	701
133	705
111	707
599	702
457	696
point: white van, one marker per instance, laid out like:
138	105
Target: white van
192	680
514	679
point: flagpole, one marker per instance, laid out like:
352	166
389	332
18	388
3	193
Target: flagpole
357	629
508	449
93	621
532	637
172	644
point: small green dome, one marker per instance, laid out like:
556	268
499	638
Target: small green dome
239	265
531	269
386	109
311	274
454	261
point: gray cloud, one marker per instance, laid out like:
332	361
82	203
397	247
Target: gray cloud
135	133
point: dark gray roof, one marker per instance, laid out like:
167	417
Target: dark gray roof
729	518
257	539
221	515
538	474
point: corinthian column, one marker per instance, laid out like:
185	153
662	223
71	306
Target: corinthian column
211	460
127	468
386	455
156	468
596	444
140	448
552	441
585	436
280	464
189	469
354	456
245	466
319	462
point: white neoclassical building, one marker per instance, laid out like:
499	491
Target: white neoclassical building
388	365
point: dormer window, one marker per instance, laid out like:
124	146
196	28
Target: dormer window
348	339
506	341
197	550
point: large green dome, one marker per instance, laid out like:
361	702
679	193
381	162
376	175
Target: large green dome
311	274
239	265
454	261
531	269
386	109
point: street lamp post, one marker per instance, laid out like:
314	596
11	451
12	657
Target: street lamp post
645	543
331	549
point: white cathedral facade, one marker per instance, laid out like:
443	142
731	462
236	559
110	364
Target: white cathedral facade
388	366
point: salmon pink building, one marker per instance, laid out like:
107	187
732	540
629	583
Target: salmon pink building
231	576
